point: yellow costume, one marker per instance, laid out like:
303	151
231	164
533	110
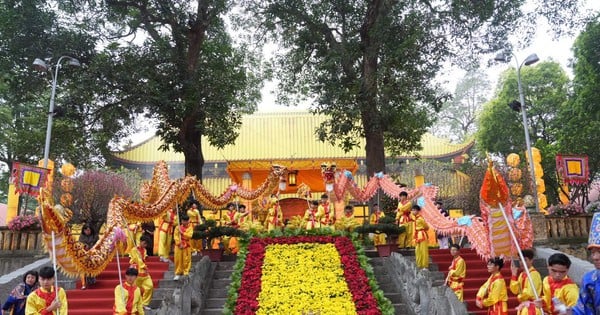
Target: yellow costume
137	259
565	290
135	232
40	299
165	233
522	288
404	218
420	239
327	214
456	276
194	216
215	242
313	218
274	216
183	250
347	222
378	239
128	300
493	295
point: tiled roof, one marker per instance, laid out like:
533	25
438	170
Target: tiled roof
280	136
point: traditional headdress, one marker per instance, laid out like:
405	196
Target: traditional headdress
594	239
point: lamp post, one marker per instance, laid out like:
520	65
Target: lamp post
41	65
531	59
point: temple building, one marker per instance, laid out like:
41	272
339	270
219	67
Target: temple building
289	139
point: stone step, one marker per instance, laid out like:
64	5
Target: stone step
212	311
220	283
222	274
395	298
387	287
225	265
400	308
217	293
215	302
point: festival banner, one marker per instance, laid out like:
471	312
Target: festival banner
573	169
28	179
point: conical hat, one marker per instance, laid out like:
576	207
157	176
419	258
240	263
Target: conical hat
594	239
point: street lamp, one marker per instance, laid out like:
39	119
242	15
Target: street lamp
41	65
531	59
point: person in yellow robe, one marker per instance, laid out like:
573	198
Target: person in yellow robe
45	300
214	215
559	292
378	239
457	272
312	216
128	297
274	218
492	294
183	249
137	260
239	218
521	286
347	222
326	212
404	218
133	235
230	242
420	238
194	215
165	234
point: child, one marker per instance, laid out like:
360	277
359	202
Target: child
327	213
128	300
457	272
44	300
403	218
137	260
521	286
378	239
420	228
560	293
312	217
492	293
183	249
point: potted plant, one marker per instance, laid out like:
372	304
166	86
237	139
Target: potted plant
209	231
387	225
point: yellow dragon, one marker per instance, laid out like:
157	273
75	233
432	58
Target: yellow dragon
157	195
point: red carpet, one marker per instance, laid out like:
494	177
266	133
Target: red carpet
99	298
477	274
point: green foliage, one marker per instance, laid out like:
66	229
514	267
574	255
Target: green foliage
580	119
370	65
500	129
210	230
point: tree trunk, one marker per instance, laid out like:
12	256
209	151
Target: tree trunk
370	116
190	139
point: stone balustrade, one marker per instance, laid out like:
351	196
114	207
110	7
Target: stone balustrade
20	241
565	229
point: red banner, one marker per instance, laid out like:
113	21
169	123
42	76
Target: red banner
573	169
28	179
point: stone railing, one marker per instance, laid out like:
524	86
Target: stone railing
21	241
574	228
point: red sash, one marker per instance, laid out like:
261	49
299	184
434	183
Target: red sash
327	212
452	267
130	296
555	285
48	298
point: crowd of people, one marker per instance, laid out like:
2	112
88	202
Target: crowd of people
556	294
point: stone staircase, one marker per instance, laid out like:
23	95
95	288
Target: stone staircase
386	285
218	288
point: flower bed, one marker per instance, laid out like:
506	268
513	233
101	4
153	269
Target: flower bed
303	275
